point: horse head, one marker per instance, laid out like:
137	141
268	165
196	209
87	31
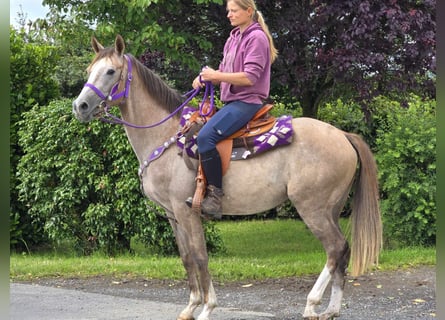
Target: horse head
105	75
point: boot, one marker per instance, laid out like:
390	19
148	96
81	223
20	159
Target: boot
211	165
211	205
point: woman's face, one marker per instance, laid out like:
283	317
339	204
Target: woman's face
238	16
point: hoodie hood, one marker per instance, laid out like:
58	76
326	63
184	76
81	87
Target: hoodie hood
236	32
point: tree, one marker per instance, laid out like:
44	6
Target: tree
353	48
327	48
180	30
71	36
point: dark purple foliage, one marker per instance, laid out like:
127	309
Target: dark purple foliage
359	48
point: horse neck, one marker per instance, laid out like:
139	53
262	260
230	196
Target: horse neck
141	109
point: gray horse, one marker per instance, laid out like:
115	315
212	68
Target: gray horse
316	172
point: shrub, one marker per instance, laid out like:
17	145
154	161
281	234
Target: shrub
406	157
81	182
345	115
31	82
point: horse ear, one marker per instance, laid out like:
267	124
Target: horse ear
119	45
96	45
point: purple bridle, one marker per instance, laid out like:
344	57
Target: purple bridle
114	95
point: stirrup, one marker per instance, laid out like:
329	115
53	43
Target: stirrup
189	202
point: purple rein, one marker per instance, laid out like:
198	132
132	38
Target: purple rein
113	96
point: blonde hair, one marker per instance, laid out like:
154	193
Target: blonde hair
258	17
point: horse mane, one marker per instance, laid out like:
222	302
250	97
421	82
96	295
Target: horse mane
168	98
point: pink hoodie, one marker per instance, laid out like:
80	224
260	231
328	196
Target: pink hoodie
248	52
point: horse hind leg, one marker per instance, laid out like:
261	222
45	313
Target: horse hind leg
316	294
337	251
338	284
335	270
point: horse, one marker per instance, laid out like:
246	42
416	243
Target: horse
318	172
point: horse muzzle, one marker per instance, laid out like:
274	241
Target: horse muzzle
84	112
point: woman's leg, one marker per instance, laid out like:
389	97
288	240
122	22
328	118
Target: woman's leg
229	119
225	122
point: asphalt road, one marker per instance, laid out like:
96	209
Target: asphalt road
407	294
35	302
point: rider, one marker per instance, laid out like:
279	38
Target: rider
244	79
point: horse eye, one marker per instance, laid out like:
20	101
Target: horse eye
110	72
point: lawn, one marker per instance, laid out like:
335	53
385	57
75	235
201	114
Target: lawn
255	250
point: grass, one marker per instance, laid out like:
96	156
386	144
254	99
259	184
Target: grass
255	250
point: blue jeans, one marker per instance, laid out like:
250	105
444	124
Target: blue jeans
229	119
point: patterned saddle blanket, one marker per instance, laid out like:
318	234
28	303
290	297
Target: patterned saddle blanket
280	134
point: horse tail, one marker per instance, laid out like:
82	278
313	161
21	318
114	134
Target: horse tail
366	241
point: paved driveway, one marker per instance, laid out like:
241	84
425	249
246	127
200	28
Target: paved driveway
35	302
395	295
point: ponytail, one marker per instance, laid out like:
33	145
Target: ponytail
258	16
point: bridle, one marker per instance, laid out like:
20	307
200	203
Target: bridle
114	95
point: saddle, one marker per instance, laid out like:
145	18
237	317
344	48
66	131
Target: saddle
261	122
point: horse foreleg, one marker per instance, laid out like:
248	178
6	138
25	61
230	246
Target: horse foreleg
183	241
195	295
192	246
204	278
201	292
210	303
195	301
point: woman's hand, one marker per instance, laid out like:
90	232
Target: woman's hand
206	74
209	74
197	83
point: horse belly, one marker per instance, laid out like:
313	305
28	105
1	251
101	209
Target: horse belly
254	186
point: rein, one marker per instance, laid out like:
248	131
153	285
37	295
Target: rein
113	96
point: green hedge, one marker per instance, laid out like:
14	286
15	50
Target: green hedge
32	82
406	157
80	181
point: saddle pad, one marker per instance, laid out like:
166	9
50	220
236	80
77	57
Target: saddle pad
281	134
